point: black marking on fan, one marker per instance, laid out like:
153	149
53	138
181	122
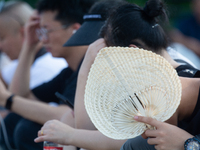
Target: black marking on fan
139	100
133	103
146	126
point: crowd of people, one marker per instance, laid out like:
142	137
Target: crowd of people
52	50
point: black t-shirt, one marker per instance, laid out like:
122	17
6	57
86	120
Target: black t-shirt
64	83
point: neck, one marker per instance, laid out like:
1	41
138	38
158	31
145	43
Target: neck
165	54
76	55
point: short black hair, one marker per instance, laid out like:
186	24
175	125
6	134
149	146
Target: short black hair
105	6
69	11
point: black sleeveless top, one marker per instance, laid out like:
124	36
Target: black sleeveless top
192	124
188	71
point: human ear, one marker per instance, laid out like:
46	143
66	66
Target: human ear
75	27
132	45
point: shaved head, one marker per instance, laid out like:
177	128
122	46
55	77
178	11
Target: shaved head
20	11
13	17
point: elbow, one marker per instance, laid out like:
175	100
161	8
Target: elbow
84	123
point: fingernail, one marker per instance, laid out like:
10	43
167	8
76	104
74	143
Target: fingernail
135	117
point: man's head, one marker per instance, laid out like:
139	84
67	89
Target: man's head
13	16
59	19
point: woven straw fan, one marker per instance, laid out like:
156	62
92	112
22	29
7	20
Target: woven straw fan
124	82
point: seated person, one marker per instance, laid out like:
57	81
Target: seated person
163	137
57	20
115	34
13	17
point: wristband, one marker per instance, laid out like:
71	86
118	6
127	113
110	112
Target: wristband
9	102
192	143
198	137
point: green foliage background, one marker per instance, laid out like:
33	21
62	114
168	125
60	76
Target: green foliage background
176	8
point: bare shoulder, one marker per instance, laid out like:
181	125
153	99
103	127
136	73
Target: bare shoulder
190	93
190	83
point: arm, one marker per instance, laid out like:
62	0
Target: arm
82	119
37	111
58	132
163	137
190	92
1	78
30	47
33	110
191	43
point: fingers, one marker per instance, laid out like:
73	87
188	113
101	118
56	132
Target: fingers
34	16
152	141
47	128
33	23
151	133
39	139
34	20
148	120
42	139
41	133
41	136
144	136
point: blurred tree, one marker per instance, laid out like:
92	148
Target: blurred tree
176	8
31	2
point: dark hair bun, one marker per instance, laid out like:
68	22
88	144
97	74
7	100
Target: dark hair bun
154	8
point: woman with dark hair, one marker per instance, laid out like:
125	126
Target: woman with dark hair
130	25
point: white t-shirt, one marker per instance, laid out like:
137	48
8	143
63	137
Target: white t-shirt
176	55
43	69
4	60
